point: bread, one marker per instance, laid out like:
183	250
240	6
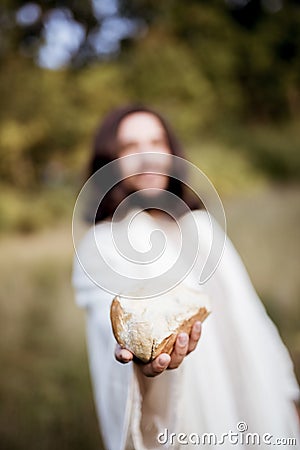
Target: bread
149	327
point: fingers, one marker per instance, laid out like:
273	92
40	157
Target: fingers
184	345
194	336
157	366
180	350
122	355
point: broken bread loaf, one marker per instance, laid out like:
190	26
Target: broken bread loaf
149	327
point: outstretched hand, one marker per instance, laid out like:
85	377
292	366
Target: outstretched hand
184	345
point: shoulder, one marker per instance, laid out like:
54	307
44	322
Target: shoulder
199	222
95	241
96	235
90	252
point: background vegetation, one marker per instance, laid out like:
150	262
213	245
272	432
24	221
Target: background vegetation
227	75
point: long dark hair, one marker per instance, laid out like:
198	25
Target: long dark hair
105	150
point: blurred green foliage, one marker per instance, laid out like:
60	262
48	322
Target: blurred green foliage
221	71
225	74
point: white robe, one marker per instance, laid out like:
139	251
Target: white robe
239	372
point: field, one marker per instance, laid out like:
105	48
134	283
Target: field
46	399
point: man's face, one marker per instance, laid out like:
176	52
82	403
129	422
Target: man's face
141	134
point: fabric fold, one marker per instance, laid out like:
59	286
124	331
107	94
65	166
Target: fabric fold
240	370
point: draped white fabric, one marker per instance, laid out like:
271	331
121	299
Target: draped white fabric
240	371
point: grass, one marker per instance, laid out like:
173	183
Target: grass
45	393
46	399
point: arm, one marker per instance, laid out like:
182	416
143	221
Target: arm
236	303
111	383
125	398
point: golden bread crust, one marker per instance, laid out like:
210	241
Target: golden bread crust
136	334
